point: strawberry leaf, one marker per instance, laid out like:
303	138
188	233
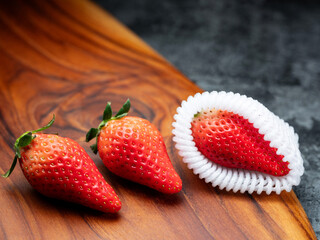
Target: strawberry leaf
46	126
24	140
197	114
124	110
7	174
121	116
94	148
107	114
93	132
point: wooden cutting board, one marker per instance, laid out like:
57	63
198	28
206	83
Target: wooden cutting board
70	58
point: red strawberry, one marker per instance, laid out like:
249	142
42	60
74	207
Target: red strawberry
232	141
133	148
59	168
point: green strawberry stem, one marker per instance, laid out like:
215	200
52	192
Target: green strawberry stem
106	117
23	141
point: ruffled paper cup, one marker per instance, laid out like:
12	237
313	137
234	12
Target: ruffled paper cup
274	129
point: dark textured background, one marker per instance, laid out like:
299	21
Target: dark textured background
269	50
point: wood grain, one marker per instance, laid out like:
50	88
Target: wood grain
70	58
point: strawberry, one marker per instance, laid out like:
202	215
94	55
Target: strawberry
59	167
133	148
232	141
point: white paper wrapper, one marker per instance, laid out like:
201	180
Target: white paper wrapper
274	129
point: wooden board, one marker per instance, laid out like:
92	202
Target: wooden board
70	58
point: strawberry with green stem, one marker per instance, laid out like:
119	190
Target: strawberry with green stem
133	148
59	167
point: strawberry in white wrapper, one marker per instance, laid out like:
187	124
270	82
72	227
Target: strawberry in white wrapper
236	143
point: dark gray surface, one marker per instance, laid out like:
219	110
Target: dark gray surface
269	50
